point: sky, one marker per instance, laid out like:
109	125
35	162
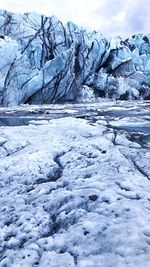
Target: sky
110	17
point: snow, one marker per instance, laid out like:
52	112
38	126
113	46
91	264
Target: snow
54	259
73	193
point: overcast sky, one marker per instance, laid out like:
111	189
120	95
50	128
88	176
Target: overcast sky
111	17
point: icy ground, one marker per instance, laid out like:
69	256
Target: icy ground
75	191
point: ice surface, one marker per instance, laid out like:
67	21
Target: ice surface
73	193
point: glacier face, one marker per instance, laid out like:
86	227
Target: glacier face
43	61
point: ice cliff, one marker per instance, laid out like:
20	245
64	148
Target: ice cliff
43	61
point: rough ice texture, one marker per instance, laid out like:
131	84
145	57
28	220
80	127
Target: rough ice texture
73	193
43	61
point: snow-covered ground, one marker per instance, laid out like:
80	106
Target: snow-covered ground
75	192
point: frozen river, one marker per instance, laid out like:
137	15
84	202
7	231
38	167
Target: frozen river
132	117
136	114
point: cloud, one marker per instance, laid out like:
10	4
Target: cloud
111	17
138	17
125	17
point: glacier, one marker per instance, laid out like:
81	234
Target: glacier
44	61
74	145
